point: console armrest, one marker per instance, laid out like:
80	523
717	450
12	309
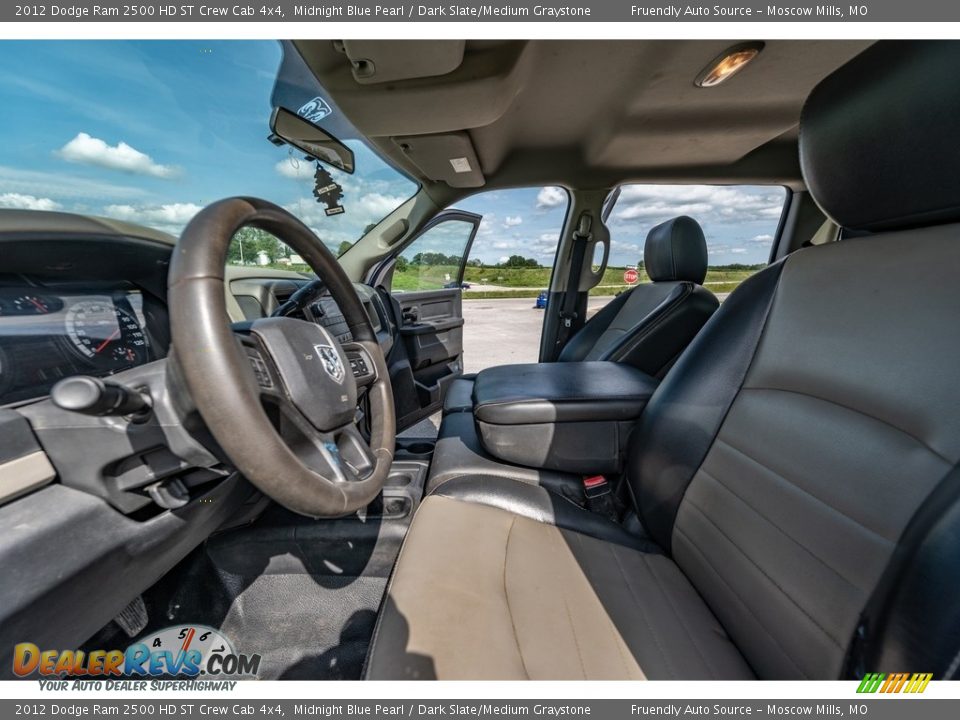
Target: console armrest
570	416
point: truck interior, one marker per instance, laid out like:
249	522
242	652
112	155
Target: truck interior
763	487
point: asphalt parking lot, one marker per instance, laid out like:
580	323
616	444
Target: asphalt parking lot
500	332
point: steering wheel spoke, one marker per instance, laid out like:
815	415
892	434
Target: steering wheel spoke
360	360
340	456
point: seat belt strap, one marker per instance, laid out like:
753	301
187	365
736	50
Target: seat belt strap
865	635
568	308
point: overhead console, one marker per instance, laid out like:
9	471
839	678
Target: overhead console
572	416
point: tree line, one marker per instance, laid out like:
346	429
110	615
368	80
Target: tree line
436	258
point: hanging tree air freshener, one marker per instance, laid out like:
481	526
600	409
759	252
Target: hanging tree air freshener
327	191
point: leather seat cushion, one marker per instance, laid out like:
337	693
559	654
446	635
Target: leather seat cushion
460	453
482	593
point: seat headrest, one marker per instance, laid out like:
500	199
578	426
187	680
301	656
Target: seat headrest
878	138
676	250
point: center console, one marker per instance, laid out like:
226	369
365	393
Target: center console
569	416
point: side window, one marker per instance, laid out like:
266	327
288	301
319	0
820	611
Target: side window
508	273
435	259
513	255
738	221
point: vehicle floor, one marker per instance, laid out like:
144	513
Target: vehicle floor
303	594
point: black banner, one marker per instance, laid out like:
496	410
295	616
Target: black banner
473	11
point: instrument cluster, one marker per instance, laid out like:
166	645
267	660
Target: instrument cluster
49	335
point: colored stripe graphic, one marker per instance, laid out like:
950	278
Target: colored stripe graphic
894	683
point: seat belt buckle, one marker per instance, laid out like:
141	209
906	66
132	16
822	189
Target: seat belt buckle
595	486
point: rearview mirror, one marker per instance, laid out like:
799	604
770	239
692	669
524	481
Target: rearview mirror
310	139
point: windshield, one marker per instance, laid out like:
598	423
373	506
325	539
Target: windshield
150	132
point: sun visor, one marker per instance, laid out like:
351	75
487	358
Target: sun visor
446	157
380	61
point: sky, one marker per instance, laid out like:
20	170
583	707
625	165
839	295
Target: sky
150	132
738	222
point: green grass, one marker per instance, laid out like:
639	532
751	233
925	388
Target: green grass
528	282
508	277
498	294
425	277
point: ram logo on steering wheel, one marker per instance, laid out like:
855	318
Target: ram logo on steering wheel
331	361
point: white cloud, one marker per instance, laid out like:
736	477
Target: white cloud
718	249
27	202
296	169
541	247
361	211
486	225
170	218
512	221
377	205
761	240
622	246
62	186
551	197
87	150
705	203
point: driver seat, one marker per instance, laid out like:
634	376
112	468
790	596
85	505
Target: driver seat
796	472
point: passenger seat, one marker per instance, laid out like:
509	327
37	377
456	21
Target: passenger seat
648	326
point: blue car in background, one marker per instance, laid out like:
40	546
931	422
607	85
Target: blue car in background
541	303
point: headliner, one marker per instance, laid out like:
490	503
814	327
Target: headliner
584	114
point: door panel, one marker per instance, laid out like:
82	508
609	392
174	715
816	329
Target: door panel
432	352
425	280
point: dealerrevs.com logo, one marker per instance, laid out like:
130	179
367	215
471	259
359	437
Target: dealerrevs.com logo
181	651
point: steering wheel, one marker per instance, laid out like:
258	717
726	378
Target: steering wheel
281	397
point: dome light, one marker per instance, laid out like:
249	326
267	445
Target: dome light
728	64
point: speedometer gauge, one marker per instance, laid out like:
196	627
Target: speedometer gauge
105	334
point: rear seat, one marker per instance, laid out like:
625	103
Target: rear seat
647	326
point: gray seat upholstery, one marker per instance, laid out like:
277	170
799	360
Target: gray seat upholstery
514	598
647	326
797	472
459	452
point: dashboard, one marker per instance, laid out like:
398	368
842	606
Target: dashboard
86	296
49	333
257	296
